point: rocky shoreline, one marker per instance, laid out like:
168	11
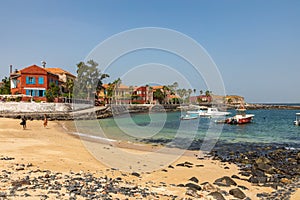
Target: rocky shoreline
266	165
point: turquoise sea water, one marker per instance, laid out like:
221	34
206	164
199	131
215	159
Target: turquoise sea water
268	126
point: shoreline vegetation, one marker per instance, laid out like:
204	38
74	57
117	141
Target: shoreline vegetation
54	164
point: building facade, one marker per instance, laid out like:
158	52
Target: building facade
32	82
143	95
64	77
109	93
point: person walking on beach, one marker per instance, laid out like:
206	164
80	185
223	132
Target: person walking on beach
23	122
45	120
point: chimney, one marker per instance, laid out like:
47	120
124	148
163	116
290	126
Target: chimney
10	69
44	64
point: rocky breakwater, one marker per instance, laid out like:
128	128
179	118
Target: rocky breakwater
270	106
265	165
142	108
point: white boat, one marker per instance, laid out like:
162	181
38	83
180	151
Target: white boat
202	109
188	117
213	112
297	121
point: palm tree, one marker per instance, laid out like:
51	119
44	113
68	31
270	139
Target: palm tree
201	92
150	95
165	90
175	86
109	92
207	93
194	90
131	90
70	85
116	84
189	94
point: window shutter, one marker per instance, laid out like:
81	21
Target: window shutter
41	80
27	91
27	80
33	80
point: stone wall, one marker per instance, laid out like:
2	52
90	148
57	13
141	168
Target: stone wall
24	107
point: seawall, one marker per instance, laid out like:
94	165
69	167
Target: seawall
66	111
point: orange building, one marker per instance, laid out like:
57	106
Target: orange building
32	82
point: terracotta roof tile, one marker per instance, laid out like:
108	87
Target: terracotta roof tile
157	87
58	71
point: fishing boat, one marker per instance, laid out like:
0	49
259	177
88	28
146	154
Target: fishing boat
297	121
188	117
213	112
241	117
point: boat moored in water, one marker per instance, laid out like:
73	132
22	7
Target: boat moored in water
213	112
297	121
202	109
241	117
188	117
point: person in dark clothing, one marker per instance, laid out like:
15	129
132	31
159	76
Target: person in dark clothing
23	122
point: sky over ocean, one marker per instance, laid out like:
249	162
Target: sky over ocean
254	44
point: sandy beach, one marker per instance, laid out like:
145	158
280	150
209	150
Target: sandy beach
38	151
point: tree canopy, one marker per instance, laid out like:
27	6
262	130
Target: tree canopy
159	95
52	92
89	79
5	88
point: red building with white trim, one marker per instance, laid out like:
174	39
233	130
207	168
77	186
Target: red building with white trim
32	81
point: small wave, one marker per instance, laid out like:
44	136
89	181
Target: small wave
92	137
83	135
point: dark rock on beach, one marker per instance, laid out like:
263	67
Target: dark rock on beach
135	174
216	195
185	164
225	181
194	179
193	186
237	193
192	193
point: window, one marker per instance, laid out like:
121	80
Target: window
41	80
30	80
14	83
41	93
36	93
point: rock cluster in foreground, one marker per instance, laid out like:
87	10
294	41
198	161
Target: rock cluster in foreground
20	180
265	165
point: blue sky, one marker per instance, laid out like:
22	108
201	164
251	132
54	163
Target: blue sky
255	44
